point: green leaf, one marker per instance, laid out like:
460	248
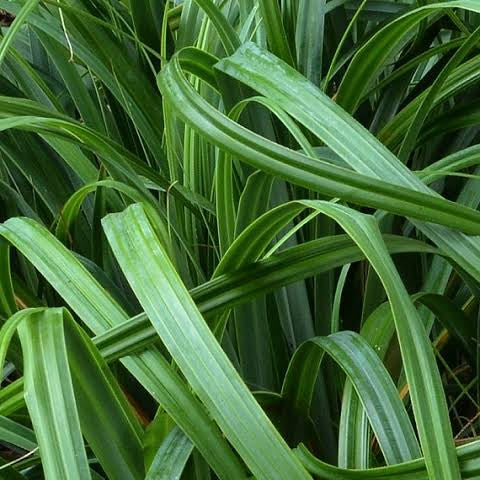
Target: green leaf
301	170
17	434
49	395
7	296
276	35
427	394
194	348
309	38
15	27
171	458
370	58
99	311
467	457
347	138
117	439
375	388
227	34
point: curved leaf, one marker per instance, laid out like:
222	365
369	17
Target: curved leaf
194	348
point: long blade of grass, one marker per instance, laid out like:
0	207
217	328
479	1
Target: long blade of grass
373	384
49	395
426	390
370	58
117	440
171	458
194	348
297	168
97	308
15	27
413	470
345	136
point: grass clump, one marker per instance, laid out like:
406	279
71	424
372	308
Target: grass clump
239	239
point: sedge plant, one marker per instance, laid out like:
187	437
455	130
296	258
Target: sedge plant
239	239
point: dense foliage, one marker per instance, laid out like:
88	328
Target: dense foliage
202	198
